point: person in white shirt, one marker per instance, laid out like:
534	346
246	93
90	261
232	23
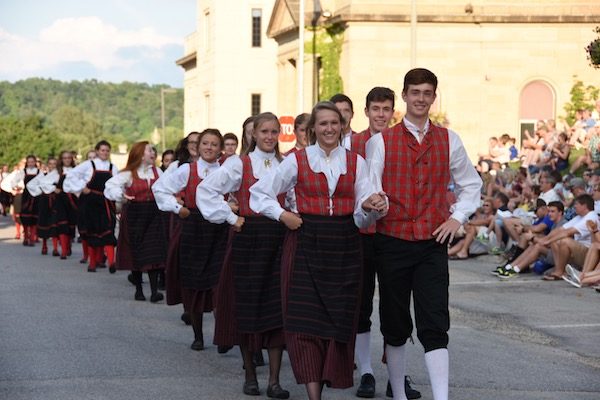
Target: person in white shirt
42	187
5	197
65	205
142	236
344	104
548	194
255	261
413	163
96	218
16	195
201	244
322	266
571	242
29	206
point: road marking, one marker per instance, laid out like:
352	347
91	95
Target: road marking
495	282
568	326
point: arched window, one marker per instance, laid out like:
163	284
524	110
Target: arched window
537	102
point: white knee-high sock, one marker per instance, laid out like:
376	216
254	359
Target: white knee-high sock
396	359
362	349
438	367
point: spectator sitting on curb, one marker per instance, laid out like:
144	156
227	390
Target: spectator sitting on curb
477	234
536	250
570	243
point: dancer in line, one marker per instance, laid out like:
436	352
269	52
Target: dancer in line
42	187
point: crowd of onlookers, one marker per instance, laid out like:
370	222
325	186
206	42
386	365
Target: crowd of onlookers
540	203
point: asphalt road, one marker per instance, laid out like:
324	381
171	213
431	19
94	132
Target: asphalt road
69	334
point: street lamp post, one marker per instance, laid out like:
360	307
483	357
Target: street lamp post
162	114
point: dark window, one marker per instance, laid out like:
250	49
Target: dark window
256	26
255	107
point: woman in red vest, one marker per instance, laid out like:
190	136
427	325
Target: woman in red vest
413	162
255	260
42	189
29	204
322	266
142	241
201	244
96	218
65	206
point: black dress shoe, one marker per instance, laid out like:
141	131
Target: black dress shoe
223	349
185	317
90	269
198	345
139	295
156	297
411	393
55	253
112	269
251	388
275	391
367	386
83	261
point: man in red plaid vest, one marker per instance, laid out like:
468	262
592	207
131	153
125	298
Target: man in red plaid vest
413	163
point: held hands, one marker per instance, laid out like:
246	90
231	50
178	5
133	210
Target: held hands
128	198
234	206
376	202
184	212
291	220
446	231
57	190
86	190
238	224
179	201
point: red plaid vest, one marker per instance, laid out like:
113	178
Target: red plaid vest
243	194
141	188
415	179
189	198
358	145
312	193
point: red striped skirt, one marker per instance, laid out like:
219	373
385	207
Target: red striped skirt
226	333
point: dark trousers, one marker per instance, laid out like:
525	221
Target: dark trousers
420	268
368	283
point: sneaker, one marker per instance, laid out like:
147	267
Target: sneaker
571	280
496	251
507	273
573	273
498	270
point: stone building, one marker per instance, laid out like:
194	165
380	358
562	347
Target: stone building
501	64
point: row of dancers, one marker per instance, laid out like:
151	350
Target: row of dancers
285	249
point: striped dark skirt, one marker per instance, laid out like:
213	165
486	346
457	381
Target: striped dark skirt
142	240
46	219
322	274
99	220
65	213
226	332
256	259
81	225
172	281
29	209
201	252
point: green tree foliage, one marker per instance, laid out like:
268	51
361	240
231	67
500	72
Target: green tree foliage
582	98
22	136
593	50
328	45
78	114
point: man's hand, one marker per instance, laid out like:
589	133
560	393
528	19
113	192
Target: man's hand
238	224
375	202
291	220
184	212
446	231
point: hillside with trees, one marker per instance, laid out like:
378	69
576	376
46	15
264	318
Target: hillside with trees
44	116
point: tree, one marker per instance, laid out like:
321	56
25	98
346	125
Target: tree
582	98
22	136
593	50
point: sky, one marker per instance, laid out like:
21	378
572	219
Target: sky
107	40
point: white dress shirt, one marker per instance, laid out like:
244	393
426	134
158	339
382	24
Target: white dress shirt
43	183
347	140
16	179
228	179
77	178
117	185
263	194
467	182
168	185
